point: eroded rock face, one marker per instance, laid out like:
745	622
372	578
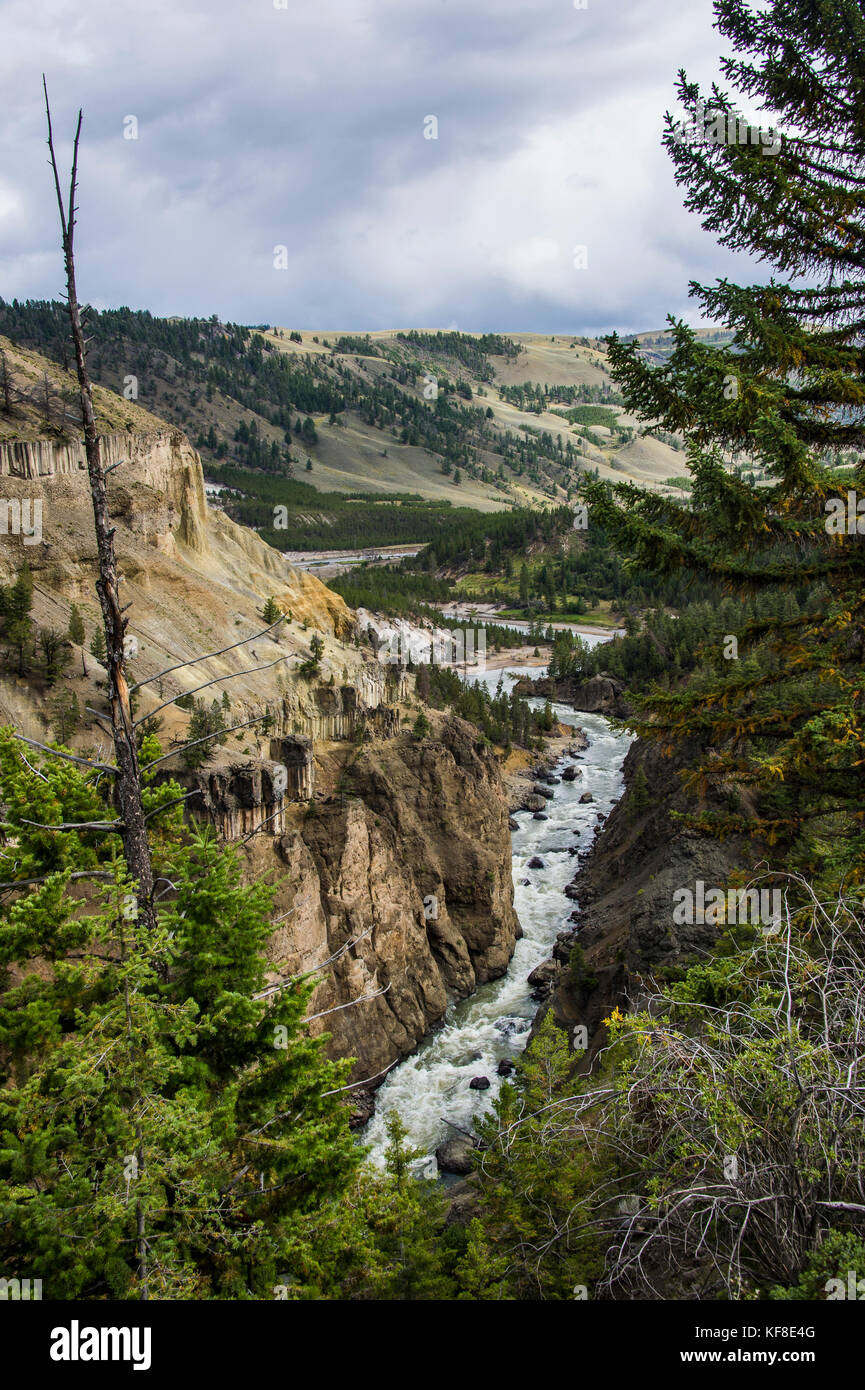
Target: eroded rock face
624	925
239	797
413	863
601	694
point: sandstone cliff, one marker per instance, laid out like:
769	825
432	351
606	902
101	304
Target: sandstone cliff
411	856
364	831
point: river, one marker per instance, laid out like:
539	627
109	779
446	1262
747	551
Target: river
432	1085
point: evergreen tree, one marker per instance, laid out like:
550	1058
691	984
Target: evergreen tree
77	634
97	646
421	728
65	715
536	1182
18	625
271	612
787	394
169	1131
54	654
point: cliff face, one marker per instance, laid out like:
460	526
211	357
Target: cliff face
412	859
601	694
624	923
166	533
365	832
162	460
194	582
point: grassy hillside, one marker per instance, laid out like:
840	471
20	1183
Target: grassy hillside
442	416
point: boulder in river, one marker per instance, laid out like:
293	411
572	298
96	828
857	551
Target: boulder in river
455	1155
570	774
545	973
536	863
505	1067
535	803
586	796
538	790
480	1083
513	824
539	815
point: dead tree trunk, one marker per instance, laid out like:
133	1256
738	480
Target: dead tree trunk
128	780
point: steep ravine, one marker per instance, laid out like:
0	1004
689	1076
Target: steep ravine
408	825
351	819
623	920
480	1035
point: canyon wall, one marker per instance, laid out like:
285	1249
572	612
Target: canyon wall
367	834
410	858
624	925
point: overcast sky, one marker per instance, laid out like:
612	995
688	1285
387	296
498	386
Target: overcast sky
303	127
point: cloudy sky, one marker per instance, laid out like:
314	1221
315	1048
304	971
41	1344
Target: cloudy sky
303	127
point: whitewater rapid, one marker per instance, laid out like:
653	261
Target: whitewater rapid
431	1086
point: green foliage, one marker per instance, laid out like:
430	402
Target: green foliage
783	395
639	796
838	1254
53	654
97	646
312	665
65	715
723	1092
271	611
502	719
76	631
159	1125
16	601
536	1181
204	720
421	728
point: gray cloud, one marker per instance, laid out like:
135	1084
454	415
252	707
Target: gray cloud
304	127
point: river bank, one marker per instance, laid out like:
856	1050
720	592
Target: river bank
482	1034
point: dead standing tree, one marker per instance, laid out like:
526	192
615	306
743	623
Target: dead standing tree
133	828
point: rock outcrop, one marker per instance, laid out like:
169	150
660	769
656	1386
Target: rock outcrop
411	862
601	694
391	854
623	927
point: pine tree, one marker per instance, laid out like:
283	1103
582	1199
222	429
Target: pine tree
18	625
65	715
97	646
535	1182
77	634
170	1129
54	654
786	394
421	728
271	612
